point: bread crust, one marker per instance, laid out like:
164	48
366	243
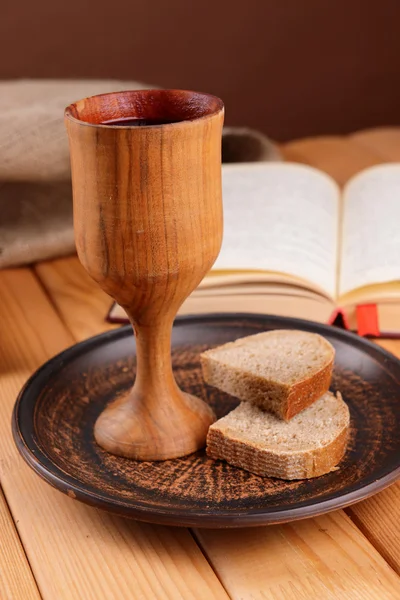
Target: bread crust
283	400
305	392
271	463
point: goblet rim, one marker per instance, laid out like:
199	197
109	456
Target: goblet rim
220	108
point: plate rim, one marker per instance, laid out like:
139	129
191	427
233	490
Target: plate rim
57	478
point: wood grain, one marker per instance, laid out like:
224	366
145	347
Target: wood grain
16	578
378	518
67	284
148	227
75	551
323	558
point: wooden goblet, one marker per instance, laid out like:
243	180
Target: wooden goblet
148	227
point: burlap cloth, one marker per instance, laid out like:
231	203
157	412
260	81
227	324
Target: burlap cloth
35	186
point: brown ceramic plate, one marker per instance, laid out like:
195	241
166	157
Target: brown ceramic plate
55	412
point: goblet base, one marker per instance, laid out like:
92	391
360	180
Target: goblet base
154	428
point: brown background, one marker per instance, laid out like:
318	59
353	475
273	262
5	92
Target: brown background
289	67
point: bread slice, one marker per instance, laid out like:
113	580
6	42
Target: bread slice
309	445
282	371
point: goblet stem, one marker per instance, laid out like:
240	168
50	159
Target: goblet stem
155	420
153	356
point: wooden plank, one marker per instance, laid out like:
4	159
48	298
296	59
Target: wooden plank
335	155
378	517
76	551
245	544
383	141
68	284
322	558
16	579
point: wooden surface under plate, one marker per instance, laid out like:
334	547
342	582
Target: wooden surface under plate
75	551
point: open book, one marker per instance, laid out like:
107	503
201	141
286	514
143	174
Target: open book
295	245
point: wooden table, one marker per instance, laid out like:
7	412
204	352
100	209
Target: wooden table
55	548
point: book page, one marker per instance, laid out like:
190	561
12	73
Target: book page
370	252
281	217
